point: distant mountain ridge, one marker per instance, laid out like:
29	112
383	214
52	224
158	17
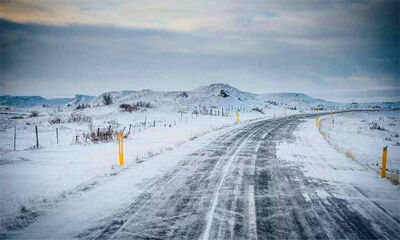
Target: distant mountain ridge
30	101
218	95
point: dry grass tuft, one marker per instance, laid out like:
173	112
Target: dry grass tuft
394	178
350	155
322	132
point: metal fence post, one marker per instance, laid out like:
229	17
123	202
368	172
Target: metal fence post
121	149
384	157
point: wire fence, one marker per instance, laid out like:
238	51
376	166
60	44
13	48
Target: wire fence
33	137
29	137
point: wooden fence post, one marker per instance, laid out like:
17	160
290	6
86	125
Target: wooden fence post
15	138
181	117
37	137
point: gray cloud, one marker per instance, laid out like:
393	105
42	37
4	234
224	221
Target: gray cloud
259	46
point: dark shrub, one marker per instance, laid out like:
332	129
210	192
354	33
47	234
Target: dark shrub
135	106
184	94
55	120
78	118
107	100
82	106
100	135
257	109
376	126
222	93
128	108
34	114
141	104
273	103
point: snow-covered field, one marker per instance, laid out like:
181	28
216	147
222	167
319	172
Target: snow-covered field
362	136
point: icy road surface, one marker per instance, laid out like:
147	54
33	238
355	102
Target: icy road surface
269	179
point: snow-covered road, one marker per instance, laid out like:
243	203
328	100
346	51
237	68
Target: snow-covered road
306	189
206	196
274	178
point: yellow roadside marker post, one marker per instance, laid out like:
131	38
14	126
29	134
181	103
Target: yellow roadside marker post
237	117
384	157
316	122
121	149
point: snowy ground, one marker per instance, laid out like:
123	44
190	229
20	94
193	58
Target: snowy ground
275	178
362	136
32	181
100	117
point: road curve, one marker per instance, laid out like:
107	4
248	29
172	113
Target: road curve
235	188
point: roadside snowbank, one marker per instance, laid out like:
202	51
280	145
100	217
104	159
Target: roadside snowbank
362	136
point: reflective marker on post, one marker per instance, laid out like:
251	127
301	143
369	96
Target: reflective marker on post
384	157
121	149
237	117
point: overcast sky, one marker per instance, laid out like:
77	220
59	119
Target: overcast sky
59	48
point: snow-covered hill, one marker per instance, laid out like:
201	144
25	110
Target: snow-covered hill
224	95
297	100
215	95
80	99
289	97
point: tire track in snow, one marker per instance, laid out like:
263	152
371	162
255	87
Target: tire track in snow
210	217
238	227
252	215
